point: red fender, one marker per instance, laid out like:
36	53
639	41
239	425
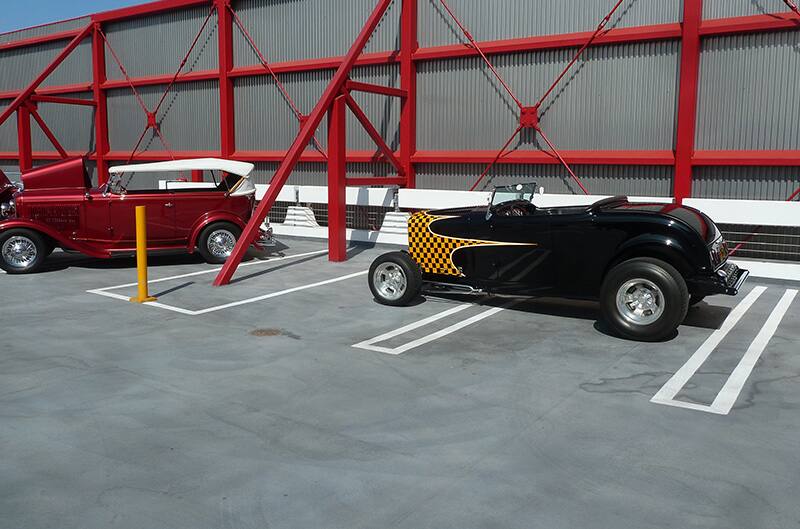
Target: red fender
58	237
210	218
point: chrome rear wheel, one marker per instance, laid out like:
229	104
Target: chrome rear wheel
640	301
221	243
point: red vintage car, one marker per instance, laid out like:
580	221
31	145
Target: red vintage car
58	207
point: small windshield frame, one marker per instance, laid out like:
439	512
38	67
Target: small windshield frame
512	193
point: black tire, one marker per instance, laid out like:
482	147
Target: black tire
650	326
37	251
695	299
395	294
214	235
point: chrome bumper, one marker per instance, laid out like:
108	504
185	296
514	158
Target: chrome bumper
727	280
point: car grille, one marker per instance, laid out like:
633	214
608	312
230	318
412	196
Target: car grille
729	274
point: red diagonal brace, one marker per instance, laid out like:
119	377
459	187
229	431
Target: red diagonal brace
301	141
374	134
46	130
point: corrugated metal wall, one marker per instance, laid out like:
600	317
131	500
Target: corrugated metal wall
301	29
189	117
20	66
741	8
156	44
508	19
618	97
601	179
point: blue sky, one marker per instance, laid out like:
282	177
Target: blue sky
17	14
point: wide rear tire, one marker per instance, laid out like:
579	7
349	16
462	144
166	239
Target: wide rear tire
644	299
22	251
395	279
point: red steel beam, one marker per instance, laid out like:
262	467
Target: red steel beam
227	112
409	45
44	39
687	99
375	89
62	100
300	143
545	158
747	158
51	90
749	24
337	177
24	139
102	142
55	63
700	158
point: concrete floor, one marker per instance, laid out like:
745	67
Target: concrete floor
264	414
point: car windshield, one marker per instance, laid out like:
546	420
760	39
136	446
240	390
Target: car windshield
505	194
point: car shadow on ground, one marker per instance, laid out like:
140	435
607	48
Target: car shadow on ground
703	315
61	260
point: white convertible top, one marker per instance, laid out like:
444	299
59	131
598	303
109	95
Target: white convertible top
242	169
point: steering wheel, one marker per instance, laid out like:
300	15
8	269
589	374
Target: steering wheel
517	208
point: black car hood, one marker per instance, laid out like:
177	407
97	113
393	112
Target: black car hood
696	219
458	212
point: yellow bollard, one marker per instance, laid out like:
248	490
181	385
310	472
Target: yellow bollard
141	255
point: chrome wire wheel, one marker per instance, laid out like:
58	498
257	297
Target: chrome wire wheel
640	301
390	281
19	252
221	243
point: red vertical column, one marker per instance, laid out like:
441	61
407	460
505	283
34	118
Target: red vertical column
408	82
226	103
337	175
101	110
687	98
24	139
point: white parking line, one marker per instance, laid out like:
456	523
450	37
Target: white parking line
106	292
726	398
369	345
733	387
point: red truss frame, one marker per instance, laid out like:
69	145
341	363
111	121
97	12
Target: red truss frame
684	158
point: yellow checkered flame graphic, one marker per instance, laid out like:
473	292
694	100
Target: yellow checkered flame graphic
433	252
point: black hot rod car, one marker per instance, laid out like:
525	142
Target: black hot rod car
645	263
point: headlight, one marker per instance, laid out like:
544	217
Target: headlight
7	209
719	252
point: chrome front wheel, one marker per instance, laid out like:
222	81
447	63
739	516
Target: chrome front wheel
390	280
19	252
395	279
22	251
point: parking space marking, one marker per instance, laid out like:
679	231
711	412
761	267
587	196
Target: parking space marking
726	398
210	271
369	345
106	292
733	387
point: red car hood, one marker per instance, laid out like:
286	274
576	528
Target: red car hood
6	188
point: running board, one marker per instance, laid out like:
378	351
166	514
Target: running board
450	288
